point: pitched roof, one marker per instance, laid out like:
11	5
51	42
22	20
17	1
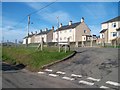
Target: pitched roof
44	32
103	31
28	36
41	33
112	20
73	25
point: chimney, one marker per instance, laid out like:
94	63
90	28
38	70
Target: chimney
70	22
32	33
82	19
60	25
40	30
52	27
35	32
46	29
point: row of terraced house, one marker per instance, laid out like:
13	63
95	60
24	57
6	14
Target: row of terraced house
76	32
79	34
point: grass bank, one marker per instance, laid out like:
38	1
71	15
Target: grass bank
32	58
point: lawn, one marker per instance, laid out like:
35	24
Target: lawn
31	57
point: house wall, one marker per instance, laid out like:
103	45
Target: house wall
33	39
104	26
108	35
112	29
38	38
64	35
29	40
79	31
50	36
54	37
24	41
118	34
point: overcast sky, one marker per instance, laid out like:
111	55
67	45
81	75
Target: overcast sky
14	16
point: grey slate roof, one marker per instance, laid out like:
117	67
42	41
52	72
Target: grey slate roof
41	33
112	20
28	36
44	32
69	26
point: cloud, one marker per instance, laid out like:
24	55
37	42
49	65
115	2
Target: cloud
35	5
50	15
96	10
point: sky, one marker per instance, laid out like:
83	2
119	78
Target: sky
14	16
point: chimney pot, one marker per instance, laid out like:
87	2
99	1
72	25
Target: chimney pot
46	29
70	22
60	25
82	19
35	32
40	30
32	33
52	27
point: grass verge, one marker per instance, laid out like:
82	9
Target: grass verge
32	58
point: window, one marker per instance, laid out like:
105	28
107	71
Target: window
113	25
70	30
84	31
114	34
65	31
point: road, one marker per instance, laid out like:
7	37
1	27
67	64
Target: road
89	68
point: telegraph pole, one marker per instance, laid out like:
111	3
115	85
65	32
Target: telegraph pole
58	33
28	30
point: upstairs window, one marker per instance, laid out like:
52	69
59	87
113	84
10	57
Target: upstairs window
85	31
113	25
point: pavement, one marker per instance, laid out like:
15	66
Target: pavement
89	68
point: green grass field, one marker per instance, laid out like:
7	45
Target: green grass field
32	58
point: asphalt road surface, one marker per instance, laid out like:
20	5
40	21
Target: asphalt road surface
89	68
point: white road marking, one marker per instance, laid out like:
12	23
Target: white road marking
113	83
53	75
59	72
104	87
41	72
49	70
74	75
68	78
90	78
85	82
